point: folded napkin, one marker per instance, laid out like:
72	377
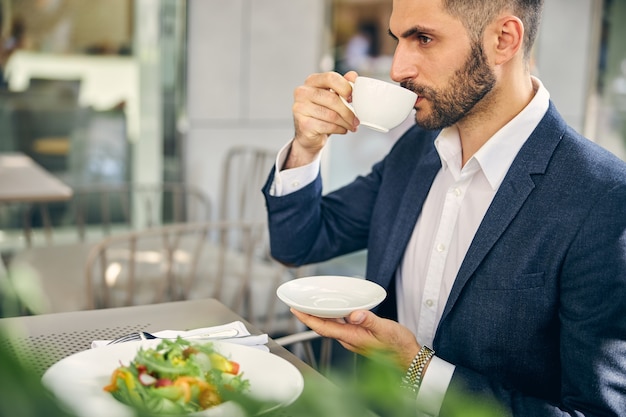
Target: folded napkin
243	338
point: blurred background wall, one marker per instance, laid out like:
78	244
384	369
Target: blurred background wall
170	85
245	59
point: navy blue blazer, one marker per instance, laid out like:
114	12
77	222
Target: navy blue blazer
536	317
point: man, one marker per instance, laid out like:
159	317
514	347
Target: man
498	232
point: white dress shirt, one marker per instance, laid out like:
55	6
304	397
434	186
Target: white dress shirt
453	210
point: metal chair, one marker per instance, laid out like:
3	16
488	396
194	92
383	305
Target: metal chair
244	172
97	210
189	261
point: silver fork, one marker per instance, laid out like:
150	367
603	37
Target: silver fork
220	334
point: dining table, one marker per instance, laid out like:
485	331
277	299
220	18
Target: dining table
43	340
22	180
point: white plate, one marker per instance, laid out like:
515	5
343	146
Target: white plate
78	380
331	296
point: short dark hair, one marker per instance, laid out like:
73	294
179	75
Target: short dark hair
477	14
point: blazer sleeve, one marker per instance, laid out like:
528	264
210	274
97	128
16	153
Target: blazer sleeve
307	227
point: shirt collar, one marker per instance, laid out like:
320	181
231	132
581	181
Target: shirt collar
497	154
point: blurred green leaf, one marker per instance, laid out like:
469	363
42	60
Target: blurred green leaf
21	391
375	392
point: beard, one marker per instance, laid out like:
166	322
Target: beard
468	86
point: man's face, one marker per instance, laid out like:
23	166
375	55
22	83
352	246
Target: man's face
436	59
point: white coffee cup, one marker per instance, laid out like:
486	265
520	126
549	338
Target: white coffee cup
380	105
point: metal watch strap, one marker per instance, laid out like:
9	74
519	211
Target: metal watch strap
413	377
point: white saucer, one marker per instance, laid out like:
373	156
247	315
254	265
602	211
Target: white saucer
331	296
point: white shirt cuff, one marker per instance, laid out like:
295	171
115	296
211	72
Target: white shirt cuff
434	386
291	180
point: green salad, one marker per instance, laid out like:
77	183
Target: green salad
176	377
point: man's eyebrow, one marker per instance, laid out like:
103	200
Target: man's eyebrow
410	32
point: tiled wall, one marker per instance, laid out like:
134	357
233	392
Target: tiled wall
245	59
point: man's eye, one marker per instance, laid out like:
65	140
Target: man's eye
424	40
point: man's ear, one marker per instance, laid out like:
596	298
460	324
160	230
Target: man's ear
507	38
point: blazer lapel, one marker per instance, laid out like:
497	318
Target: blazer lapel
505	205
533	158
410	207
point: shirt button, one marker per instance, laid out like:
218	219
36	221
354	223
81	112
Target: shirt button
295	184
429	303
441	247
457	192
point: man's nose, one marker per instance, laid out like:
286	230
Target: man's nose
404	65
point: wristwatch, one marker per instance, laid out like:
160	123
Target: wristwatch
414	375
